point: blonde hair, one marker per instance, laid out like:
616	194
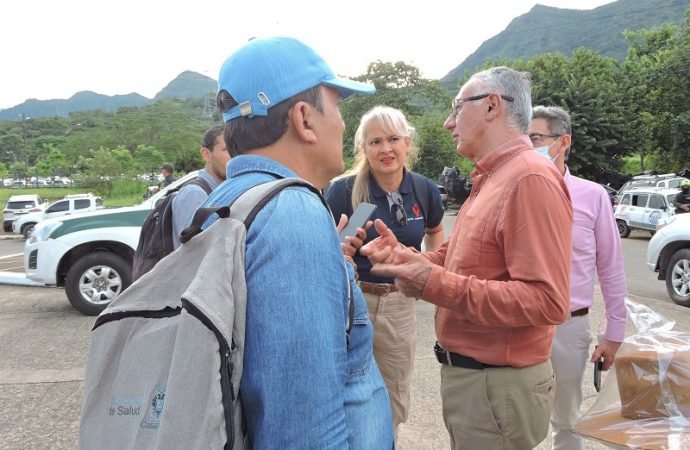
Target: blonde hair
392	121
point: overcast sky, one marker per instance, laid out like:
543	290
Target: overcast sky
54	48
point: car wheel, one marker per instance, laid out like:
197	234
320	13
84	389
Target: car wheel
28	230
95	280
678	277
623	229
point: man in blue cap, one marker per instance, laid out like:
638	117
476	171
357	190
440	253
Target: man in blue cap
307	381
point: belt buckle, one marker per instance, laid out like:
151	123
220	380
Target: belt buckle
386	289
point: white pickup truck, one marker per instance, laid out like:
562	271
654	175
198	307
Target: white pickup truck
89	254
71	204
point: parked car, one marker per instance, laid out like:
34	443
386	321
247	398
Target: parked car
89	254
71	204
18	205
61	182
668	254
668	180
444	196
642	208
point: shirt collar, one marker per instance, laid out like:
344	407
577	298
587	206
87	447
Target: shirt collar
242	164
499	156
377	191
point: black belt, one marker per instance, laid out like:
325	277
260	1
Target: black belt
579	312
457	360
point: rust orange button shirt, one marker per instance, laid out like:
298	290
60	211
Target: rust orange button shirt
502	280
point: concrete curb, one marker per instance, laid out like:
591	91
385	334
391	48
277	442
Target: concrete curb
16	279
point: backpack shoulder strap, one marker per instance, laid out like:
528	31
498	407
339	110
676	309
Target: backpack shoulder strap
201	182
420	188
246	206
169	212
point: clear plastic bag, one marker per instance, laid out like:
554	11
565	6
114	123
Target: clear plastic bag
644	402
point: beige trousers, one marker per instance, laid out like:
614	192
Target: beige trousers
498	408
569	357
395	337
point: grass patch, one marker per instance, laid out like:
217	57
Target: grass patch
124	193
50	194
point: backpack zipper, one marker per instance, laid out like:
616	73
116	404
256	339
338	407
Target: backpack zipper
226	368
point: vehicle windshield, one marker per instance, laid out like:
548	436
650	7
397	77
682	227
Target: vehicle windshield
20	205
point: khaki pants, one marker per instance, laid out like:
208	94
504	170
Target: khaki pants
497	408
569	357
395	336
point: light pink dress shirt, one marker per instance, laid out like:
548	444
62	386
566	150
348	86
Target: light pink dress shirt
596	249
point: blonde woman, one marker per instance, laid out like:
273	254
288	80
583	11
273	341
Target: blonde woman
410	205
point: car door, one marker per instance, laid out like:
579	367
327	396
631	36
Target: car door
637	208
655	210
57	209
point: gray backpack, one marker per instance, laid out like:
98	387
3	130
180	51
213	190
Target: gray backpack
166	356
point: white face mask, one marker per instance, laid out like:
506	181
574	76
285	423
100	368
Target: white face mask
544	151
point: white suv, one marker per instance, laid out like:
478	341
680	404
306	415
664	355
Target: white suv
89	254
668	253
642	208
18	205
71	204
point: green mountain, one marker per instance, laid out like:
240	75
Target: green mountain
81	101
187	85
546	29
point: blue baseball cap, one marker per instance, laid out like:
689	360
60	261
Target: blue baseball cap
268	71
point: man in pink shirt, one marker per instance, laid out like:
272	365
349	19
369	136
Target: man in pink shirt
596	249
501	281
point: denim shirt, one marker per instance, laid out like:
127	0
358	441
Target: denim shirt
303	386
186	203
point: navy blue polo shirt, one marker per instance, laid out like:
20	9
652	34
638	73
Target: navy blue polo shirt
410	234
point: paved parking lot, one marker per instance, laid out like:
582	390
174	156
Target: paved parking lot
12	264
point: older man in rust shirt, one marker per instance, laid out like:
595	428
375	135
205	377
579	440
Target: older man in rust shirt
501	281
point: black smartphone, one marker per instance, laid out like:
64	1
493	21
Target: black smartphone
358	219
598	367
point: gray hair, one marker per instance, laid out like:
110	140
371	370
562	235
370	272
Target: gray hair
557	118
518	85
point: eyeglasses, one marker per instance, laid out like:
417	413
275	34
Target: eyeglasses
538	138
398	209
456	104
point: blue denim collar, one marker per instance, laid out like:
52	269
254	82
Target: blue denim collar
254	163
